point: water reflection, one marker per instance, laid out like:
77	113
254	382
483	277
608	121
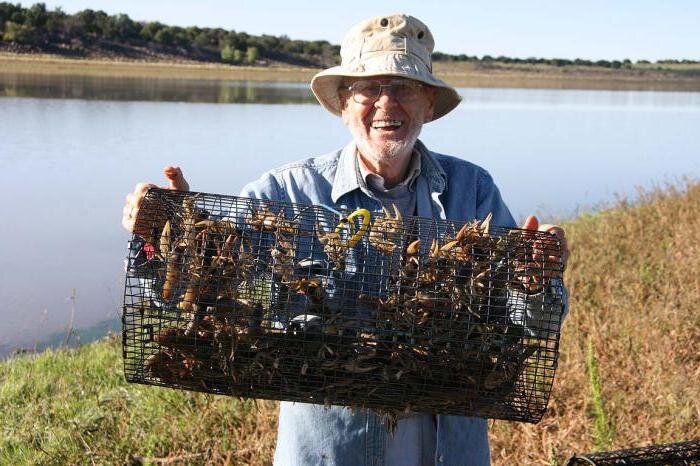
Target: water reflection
153	89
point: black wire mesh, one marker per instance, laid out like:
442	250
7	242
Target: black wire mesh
294	302
676	454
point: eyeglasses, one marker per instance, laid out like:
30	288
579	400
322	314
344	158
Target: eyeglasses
368	91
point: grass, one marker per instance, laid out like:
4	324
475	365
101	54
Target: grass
634	291
72	406
602	431
463	74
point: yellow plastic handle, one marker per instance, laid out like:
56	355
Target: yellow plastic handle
357	235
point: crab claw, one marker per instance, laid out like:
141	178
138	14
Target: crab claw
462	234
395	216
448	246
413	248
397	212
486	223
434	248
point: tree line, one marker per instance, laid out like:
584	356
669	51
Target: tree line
36	28
615	64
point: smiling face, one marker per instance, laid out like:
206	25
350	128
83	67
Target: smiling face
386	130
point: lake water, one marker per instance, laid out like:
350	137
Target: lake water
71	148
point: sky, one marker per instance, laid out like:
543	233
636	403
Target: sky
591	29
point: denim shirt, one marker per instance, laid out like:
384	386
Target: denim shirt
447	188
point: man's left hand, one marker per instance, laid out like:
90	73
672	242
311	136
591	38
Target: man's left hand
553	265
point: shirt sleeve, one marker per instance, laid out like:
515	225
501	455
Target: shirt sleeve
544	312
541	313
489	200
265	187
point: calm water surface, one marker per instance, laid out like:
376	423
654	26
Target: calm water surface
71	148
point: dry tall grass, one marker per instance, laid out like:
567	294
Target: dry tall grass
634	280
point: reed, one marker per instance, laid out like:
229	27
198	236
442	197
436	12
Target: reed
602	431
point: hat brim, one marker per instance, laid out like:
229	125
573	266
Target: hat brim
326	83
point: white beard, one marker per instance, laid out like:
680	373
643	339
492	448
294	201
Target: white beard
390	150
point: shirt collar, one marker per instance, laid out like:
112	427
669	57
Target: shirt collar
411	174
347	179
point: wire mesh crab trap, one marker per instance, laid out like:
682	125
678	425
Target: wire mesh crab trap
676	454
265	299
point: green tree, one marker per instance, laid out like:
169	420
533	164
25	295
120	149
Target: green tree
179	36
10	12
237	56
18	33
56	26
6	12
36	15
165	36
126	29
252	54
227	53
193	32
202	40
85	22
149	30
312	48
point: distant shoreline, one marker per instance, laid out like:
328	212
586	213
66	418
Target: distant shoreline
459	74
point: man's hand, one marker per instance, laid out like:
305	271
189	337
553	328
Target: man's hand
551	265
134	200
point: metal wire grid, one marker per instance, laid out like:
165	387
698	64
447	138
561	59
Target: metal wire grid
273	300
676	454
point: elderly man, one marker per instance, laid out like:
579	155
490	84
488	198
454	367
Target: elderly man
385	91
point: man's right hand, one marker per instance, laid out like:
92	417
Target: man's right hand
134	200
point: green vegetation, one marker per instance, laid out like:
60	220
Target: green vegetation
634	295
602	432
561	62
91	32
95	33
72	406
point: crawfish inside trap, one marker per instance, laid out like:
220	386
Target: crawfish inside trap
282	301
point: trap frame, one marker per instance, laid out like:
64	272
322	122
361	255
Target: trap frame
670	454
275	300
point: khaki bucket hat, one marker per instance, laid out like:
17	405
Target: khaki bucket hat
392	45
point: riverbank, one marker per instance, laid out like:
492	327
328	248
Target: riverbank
633	323
461	74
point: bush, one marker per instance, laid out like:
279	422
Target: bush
165	36
252	54
149	30
19	33
227	53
